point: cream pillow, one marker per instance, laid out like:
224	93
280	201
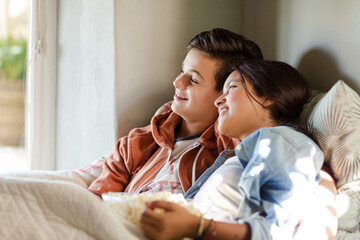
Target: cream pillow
335	124
348	207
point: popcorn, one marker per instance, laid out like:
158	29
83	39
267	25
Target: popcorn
130	206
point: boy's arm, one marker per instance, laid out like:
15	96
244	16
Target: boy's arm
115	173
130	154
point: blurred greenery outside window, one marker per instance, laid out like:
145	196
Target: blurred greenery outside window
13	58
12	90
13	51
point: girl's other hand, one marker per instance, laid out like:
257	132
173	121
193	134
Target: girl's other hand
174	222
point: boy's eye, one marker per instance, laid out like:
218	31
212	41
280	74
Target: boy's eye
193	80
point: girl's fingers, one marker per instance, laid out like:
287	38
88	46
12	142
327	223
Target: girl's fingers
149	222
167	206
150	231
151	218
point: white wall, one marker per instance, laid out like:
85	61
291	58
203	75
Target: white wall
85	82
116	63
319	37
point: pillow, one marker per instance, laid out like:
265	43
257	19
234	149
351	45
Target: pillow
90	172
335	124
348	207
309	106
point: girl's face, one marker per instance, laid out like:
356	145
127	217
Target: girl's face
195	89
239	113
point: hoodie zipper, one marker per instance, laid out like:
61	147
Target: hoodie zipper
195	145
189	148
138	176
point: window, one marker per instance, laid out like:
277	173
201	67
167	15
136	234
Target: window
13	47
41	83
32	146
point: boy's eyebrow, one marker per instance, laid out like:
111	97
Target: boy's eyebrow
193	70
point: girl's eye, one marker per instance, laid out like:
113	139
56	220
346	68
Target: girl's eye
232	86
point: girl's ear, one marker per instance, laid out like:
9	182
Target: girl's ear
267	102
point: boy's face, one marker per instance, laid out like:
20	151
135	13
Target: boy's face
195	88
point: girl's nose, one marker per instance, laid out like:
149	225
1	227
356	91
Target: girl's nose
219	101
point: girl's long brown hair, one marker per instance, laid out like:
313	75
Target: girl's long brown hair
281	83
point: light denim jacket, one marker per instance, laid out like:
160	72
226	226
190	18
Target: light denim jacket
281	172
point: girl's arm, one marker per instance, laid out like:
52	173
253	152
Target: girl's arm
176	222
327	180
321	221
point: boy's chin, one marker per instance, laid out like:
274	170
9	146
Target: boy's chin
179	111
175	109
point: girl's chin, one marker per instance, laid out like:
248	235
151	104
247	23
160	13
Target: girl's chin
223	130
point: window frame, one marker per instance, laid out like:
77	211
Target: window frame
41	85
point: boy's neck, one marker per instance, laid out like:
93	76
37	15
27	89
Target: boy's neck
185	129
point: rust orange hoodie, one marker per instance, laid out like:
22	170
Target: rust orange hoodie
132	166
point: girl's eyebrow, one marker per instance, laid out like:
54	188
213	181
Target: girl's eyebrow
228	83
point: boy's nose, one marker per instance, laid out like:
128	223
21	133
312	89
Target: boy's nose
179	82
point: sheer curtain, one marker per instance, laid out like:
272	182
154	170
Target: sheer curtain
41	85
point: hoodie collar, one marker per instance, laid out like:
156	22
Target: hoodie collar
163	130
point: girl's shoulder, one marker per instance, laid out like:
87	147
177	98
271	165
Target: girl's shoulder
286	134
283	144
281	137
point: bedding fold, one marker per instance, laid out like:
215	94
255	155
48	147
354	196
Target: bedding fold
54	209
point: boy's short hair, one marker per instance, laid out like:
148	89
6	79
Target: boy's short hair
227	47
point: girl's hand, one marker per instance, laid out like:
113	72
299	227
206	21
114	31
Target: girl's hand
174	222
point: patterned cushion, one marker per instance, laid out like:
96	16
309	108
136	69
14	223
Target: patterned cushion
335	124
90	172
348	207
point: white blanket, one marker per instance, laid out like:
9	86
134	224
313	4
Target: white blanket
57	209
